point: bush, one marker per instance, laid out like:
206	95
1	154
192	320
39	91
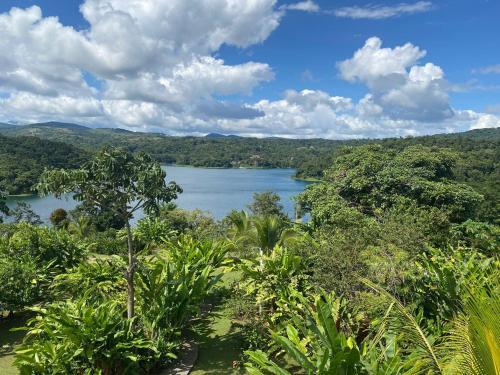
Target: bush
172	285
21	283
59	218
81	338
30	257
97	280
195	223
48	246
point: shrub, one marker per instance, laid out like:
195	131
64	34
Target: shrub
172	285
81	338
30	257
59	218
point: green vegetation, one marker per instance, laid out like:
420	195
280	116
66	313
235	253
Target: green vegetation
20	166
23	159
118	183
397	271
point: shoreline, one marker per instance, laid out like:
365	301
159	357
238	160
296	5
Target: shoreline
23	195
205	167
306	179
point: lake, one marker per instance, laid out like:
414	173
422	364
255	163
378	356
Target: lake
216	191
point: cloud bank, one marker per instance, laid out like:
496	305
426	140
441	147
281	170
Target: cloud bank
153	66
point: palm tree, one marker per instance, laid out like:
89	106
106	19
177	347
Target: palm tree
470	347
260	232
80	227
473	344
270	231
241	224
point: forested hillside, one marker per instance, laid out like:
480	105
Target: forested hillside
477	160
210	151
23	159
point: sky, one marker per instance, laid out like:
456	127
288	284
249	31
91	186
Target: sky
298	69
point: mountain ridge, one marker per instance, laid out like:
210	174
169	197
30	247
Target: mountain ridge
19	130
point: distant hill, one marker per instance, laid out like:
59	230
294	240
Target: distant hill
23	159
217	135
309	156
60	125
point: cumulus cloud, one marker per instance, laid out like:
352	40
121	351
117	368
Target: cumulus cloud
312	113
377	12
153	52
486	121
34	108
399	88
153	66
309	100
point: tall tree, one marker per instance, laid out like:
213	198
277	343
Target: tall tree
267	203
120	182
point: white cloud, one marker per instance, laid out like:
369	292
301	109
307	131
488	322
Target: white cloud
486	121
399	88
33	108
186	82
488	69
305	6
309	100
371	61
377	12
128	37
153	66
157	51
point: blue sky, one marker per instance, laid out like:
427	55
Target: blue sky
271	68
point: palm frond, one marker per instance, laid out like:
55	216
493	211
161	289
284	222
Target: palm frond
473	344
399	320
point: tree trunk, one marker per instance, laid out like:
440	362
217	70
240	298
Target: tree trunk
261	261
130	273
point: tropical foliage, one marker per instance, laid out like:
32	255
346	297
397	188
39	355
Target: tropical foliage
395	271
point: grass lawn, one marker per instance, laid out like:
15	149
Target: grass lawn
219	342
8	340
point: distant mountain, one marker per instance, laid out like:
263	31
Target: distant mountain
308	156
58	125
218	135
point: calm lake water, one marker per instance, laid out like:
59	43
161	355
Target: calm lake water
216	191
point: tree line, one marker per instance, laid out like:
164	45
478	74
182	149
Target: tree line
310	157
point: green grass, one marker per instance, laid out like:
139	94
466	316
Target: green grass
219	341
8	341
